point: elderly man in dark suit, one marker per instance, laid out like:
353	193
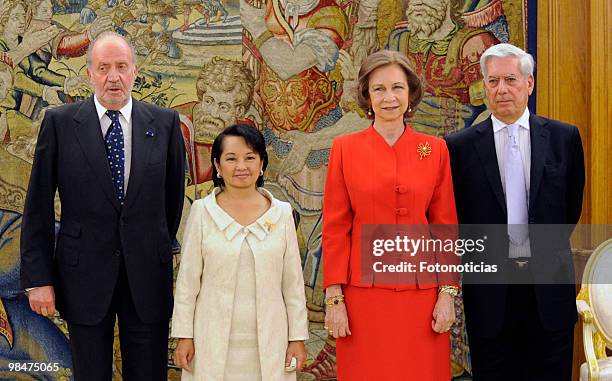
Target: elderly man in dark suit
519	169
118	165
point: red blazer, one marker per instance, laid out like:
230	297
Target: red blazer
370	182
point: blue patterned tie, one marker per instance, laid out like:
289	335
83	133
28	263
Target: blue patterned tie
115	153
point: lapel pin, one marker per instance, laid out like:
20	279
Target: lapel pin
150	132
424	150
269	226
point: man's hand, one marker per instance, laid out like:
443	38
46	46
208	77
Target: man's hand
42	300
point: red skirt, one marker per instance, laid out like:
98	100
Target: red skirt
392	338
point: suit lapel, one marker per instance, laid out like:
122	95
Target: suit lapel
143	137
485	147
89	135
538	131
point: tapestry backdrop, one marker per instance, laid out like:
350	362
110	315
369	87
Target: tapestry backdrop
288	67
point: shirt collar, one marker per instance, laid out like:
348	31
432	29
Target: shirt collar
523	121
126	111
263	226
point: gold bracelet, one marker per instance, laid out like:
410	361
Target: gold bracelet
451	290
334	300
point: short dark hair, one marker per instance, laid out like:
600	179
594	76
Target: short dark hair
253	138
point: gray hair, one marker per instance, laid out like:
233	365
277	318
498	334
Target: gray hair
526	61
107	36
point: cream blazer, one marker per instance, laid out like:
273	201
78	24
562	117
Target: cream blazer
206	283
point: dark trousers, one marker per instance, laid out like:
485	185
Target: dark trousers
144	347
524	350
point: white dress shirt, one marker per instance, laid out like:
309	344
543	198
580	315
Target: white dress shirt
125	119
500	134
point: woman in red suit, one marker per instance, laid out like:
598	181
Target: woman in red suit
387	174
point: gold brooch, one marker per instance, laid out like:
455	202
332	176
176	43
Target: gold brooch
269	226
424	150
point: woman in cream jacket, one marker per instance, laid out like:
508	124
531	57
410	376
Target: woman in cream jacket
240	308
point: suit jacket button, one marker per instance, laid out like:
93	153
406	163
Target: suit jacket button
117	253
401	211
401	188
